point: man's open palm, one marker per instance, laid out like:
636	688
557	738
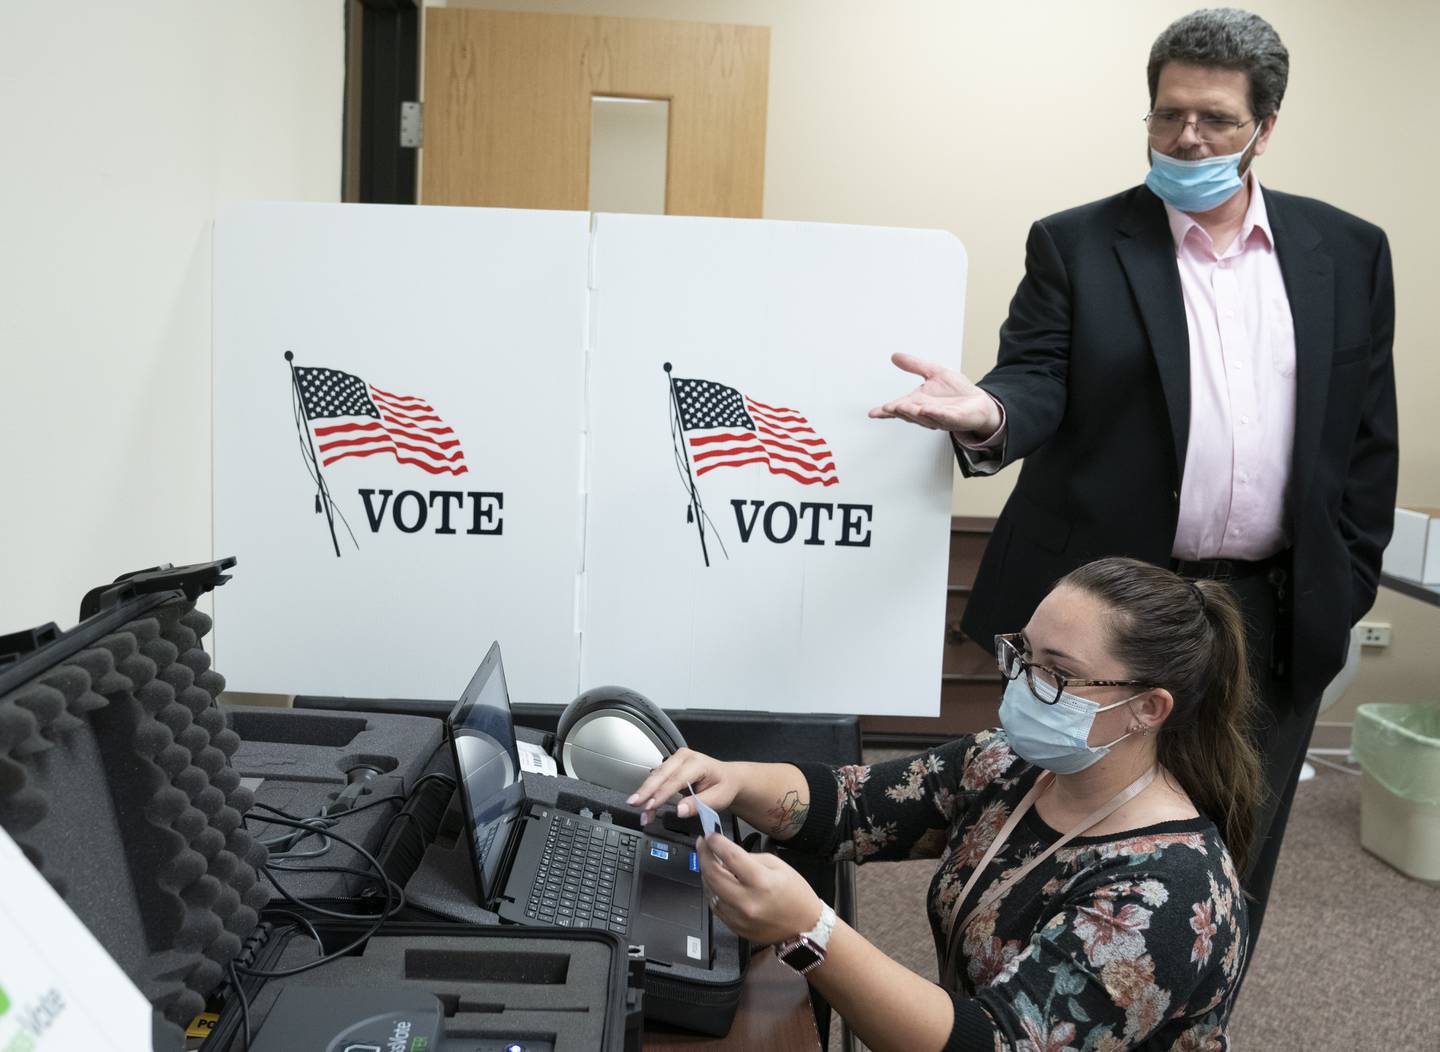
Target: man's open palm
946	401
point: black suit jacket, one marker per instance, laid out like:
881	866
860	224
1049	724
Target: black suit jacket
1094	375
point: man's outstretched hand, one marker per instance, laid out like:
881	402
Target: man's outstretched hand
946	401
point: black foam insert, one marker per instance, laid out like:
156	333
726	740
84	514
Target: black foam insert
492	984
302	757
115	780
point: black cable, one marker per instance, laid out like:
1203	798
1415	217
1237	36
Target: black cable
244	1002
325	815
392	890
391	908
325	820
304	904
351	870
283	814
302	919
406	797
286	844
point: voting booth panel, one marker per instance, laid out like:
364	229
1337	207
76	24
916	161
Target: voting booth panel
632	449
753	539
405	488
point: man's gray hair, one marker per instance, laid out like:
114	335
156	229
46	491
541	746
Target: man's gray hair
1226	38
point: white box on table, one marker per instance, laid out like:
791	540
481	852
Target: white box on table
1414	549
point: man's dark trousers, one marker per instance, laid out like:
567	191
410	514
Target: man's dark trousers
1282	733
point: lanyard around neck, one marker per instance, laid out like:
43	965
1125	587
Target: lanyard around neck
994	893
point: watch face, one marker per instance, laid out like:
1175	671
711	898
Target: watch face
802	956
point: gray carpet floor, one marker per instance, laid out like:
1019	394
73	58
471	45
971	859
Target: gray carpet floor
1349	958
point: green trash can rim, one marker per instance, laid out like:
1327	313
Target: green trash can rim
1380	712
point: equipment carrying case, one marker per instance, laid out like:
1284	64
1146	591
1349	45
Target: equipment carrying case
538	990
121	779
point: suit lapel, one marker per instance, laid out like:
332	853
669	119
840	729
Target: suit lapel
1147	254
1310	285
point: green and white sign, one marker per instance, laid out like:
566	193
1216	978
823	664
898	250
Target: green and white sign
59	989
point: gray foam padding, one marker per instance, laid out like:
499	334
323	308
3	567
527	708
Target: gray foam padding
115	780
301	757
493	986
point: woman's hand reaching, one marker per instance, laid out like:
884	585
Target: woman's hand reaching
714	781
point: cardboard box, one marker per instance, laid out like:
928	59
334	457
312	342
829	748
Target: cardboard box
1414	549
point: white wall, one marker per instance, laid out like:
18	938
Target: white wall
128	125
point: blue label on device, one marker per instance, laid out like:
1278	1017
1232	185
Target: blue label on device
659	849
694	862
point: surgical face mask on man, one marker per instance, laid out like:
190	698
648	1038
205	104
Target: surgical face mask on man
1197	186
1056	737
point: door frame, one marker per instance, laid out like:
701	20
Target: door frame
382	70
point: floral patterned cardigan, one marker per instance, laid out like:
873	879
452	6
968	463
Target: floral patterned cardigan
1129	941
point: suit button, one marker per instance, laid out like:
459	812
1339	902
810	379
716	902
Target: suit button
1174	494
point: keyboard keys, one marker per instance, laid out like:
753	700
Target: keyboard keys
584	876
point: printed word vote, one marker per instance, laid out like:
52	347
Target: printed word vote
781	522
412	511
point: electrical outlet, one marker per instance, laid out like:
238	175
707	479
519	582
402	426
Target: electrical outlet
1374	633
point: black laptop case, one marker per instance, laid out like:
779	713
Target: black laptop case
695	998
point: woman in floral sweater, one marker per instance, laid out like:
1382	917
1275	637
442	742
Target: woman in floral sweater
1086	897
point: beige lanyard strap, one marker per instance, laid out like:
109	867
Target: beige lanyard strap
1097	816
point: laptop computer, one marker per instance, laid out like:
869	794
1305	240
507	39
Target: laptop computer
543	866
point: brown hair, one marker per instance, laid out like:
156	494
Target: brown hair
1189	638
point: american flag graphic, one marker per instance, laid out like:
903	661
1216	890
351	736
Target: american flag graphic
371	421
734	429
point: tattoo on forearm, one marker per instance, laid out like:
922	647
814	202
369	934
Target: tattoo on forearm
788	814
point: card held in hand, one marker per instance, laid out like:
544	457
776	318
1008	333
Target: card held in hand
709	817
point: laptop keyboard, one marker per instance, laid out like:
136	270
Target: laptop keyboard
584	876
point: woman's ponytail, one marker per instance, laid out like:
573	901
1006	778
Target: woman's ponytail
1189	637
1214	757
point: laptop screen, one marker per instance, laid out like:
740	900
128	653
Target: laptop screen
487	768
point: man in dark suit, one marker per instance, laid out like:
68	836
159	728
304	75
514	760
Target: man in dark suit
1197	373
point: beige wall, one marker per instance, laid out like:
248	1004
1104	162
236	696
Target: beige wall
979	118
127	127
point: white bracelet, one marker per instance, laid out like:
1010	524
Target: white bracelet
820	934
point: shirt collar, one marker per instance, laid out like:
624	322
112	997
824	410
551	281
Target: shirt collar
1256	218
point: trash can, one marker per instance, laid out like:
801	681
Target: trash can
1398	747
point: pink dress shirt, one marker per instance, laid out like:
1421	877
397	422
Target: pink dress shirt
1242	390
1242	393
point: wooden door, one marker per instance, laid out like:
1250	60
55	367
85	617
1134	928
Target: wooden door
508	96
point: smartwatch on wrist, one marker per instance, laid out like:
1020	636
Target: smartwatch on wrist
806	952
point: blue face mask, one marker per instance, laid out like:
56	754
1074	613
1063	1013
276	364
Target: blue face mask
1196	186
1056	737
